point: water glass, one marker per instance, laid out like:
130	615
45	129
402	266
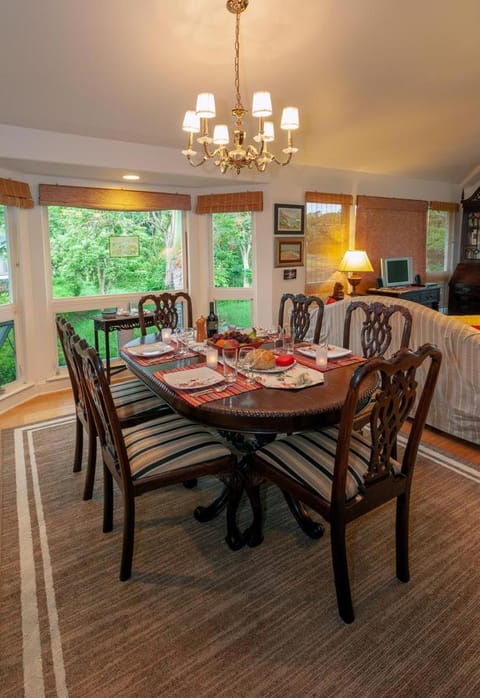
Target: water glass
230	357
321	356
245	363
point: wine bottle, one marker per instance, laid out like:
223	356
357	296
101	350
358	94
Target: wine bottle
212	321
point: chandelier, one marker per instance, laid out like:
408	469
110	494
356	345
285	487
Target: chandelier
242	154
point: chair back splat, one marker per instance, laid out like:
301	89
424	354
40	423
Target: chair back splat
165	310
343	474
376	330
300	318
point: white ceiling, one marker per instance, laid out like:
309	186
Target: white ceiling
383	86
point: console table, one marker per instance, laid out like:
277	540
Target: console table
114	323
428	294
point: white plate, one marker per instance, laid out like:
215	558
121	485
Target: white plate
300	377
152	349
277	369
332	353
193	378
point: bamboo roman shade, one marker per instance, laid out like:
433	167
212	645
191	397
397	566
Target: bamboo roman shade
112	199
444	206
230	203
316	197
13	193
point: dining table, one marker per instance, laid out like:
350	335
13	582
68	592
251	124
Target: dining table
247	413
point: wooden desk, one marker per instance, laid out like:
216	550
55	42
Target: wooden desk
113	324
428	295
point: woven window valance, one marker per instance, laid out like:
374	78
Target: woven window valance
317	197
391	204
230	203
112	199
13	193
444	206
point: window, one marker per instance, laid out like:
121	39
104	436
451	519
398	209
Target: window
232	267
8	361
327	238
89	259
438	238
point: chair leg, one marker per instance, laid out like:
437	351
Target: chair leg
340	571
128	537
403	507
77	458
91	465
107	500
312	528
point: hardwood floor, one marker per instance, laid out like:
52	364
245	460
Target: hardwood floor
61	403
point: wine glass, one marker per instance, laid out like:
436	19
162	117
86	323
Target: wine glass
245	363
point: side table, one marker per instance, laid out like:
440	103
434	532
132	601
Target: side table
114	323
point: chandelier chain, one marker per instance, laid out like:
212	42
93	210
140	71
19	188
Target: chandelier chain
237	61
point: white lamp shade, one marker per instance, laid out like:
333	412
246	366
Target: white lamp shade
268	132
261	104
355	260
191	122
205	105
290	119
220	134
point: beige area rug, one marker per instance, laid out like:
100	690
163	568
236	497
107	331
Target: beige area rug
199	620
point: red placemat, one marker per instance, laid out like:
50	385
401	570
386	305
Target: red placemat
163	359
332	363
240	386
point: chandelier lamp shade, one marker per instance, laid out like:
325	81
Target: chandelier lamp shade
355	261
217	146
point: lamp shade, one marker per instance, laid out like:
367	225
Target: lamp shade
355	260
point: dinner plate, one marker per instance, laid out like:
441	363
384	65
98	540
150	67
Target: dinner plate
152	349
277	369
193	378
333	352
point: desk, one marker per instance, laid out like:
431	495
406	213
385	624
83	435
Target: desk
113	324
428	295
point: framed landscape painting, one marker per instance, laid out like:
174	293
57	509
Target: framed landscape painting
288	252
289	219
124	246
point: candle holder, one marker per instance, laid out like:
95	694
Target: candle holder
212	357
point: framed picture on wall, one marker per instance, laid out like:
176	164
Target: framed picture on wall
288	219
289	252
124	246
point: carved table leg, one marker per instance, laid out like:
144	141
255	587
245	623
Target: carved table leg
312	528
214	509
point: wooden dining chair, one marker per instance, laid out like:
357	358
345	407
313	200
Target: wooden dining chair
296	312
165	310
133	401
342	474
163	451
376	334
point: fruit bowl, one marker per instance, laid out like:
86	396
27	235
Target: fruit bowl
235	339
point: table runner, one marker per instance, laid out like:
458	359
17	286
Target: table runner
241	385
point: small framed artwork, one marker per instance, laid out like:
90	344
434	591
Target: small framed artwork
289	274
289	252
288	219
124	246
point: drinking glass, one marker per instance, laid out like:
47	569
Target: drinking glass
245	363
178	334
230	357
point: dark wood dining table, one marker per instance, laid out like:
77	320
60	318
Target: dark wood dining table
263	413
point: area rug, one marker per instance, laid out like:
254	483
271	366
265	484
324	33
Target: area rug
197	619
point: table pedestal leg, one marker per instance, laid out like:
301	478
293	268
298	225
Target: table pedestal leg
312	528
214	509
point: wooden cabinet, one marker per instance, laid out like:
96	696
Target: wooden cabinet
470	244
428	295
464	286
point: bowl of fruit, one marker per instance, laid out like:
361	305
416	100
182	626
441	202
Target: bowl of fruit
234	339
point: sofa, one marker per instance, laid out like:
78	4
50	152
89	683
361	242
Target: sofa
455	407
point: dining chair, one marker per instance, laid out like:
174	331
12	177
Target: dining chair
133	402
163	451
376	335
165	310
300	309
342	474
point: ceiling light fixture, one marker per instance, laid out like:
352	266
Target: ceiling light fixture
131	177
242	154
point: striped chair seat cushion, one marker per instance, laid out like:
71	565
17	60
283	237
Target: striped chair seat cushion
169	443
133	399
309	458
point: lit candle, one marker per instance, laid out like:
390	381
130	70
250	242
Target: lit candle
321	356
212	357
166	334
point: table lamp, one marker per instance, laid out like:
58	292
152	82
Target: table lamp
354	261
